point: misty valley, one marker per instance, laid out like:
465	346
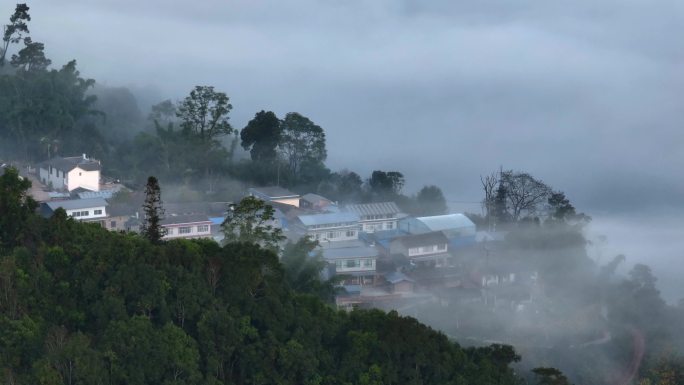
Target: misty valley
155	242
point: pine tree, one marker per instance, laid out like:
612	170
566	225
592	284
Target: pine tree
154	212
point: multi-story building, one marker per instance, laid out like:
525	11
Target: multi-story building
376	216
330	227
86	210
187	227
428	249
354	260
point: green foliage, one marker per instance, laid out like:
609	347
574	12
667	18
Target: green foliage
303	269
41	104
252	221
302	143
16	208
204	114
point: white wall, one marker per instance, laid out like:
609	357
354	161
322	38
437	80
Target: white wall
341	265
339	234
371	227
58	182
89	213
173	231
79	177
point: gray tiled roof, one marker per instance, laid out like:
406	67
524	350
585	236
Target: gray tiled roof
379	208
273	192
183	219
322	219
68	164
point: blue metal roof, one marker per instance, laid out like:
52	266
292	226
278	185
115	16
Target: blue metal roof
328	218
217	220
106	194
396	277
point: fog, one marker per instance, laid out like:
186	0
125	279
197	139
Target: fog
583	95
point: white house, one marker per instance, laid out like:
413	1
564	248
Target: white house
376	216
187	226
71	173
87	210
330	227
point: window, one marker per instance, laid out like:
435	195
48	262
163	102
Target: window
202	228
85	213
351	233
97	212
389	225
169	230
184	230
367	263
441	247
353	263
331	234
79	174
112	224
339	264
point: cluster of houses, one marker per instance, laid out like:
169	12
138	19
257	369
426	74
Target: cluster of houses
381	256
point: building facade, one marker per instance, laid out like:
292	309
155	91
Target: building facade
71	173
187	227
376	216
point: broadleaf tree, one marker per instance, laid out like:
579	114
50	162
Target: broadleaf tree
261	136
252	220
302	142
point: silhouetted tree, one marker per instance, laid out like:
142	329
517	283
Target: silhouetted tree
13	32
302	143
261	136
430	201
31	57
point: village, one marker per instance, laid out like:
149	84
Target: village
381	257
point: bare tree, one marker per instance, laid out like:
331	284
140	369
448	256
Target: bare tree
525	194
489	185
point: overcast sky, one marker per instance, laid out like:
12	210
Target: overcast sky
584	94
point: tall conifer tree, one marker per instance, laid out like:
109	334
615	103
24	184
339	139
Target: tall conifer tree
154	212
